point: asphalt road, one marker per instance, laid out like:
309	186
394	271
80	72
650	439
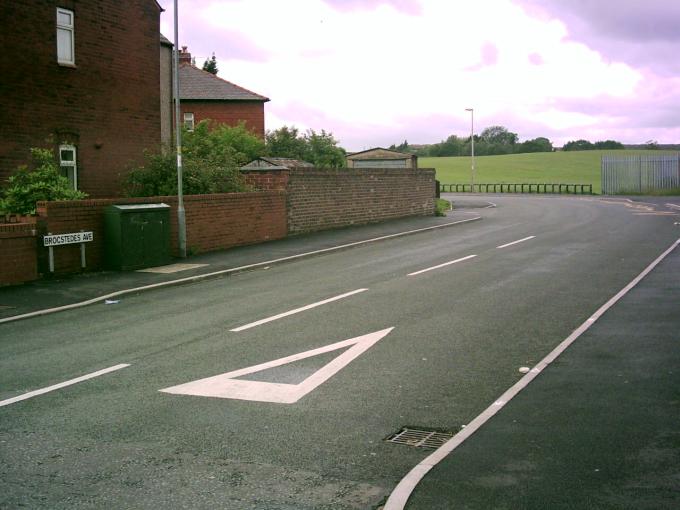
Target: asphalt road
460	332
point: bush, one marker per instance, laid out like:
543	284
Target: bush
211	161
44	182
319	149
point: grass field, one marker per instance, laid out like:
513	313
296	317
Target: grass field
579	167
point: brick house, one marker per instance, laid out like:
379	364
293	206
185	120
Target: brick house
206	96
82	78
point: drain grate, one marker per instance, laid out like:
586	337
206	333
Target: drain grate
420	438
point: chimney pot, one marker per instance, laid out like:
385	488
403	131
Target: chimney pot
184	56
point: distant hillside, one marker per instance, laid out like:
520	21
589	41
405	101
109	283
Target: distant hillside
661	146
570	167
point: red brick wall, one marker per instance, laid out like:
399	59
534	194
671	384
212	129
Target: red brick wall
214	222
266	179
322	199
108	105
18	249
228	112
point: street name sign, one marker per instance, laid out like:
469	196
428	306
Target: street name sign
72	238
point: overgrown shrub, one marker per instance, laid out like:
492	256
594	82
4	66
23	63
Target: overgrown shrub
211	160
43	182
320	149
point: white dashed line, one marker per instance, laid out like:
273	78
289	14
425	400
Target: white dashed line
514	242
297	310
442	265
62	385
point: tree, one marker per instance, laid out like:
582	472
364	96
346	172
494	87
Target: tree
497	140
212	158
236	142
452	146
651	145
578	145
286	142
539	144
609	145
320	149
44	182
323	150
402	147
210	65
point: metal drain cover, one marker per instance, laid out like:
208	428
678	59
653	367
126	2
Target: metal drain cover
420	438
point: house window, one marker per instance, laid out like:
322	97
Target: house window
67	164
189	121
65	50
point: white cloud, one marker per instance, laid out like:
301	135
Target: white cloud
366	70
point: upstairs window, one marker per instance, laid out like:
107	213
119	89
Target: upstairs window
65	47
189	121
67	164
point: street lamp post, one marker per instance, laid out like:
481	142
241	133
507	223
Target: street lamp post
181	219
472	144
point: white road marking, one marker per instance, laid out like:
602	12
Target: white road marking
674	206
442	265
404	489
62	385
228	386
297	310
514	242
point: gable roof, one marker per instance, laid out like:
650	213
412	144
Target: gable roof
197	84
379	153
268	163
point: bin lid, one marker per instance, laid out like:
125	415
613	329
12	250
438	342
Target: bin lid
140	207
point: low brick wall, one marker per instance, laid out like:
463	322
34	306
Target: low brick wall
213	222
266	179
291	202
18	249
320	199
323	199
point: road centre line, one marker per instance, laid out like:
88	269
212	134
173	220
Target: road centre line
297	310
442	265
514	242
229	271
64	384
404	489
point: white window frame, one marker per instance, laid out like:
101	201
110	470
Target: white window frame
69	166
68	29
189	121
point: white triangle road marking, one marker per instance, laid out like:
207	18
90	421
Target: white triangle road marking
228	386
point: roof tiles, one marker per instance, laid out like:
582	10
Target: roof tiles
196	84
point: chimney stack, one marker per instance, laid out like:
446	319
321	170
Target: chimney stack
184	56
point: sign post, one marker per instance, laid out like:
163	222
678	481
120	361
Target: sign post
50	241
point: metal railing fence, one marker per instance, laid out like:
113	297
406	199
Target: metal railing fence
504	187
640	173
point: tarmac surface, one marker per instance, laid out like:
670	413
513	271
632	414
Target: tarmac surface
598	428
68	290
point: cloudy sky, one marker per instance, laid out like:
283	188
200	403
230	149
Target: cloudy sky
377	72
